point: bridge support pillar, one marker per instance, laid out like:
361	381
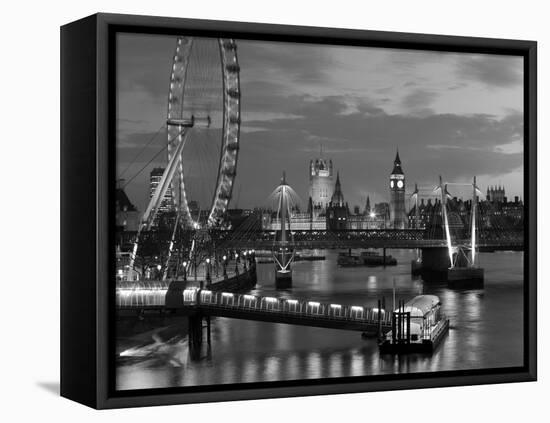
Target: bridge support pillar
208	330
435	263
435	259
195	335
379	315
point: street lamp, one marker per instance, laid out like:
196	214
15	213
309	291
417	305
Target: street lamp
208	270
185	271
244	254
236	264
225	267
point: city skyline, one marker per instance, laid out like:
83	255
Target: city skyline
448	113
427	197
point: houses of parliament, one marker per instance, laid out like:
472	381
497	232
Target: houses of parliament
327	208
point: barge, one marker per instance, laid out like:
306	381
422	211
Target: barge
418	326
366	258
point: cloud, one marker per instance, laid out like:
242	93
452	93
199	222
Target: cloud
417	102
419	99
141	56
492	70
360	104
456	146
302	63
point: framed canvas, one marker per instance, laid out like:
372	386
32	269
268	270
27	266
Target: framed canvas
256	211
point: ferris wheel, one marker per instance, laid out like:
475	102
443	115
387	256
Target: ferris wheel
203	127
203	121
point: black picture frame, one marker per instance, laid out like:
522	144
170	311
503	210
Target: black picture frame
87	170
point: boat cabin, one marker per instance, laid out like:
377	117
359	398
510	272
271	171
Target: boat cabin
425	313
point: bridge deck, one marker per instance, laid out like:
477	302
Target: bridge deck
510	238
145	297
265	244
289	311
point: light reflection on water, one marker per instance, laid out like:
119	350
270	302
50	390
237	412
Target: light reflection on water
486	330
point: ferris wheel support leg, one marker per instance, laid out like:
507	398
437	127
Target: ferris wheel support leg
160	192
164	182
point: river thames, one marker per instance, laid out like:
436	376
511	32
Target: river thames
486	330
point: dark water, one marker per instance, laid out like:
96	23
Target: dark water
486	330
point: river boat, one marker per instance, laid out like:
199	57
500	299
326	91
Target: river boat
372	258
366	258
348	260
418	326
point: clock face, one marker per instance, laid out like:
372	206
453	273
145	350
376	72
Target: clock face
399	184
391	184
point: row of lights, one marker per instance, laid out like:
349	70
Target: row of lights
291	301
372	215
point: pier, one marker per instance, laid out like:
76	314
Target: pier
302	312
173	297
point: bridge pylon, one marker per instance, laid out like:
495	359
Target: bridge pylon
456	261
283	246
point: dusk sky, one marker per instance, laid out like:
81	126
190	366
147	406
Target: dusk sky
450	114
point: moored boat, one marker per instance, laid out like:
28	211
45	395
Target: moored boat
345	260
366	258
372	258
418	326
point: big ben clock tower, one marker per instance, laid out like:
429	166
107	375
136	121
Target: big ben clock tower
398	215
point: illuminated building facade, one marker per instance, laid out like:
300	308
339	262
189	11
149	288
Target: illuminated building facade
321	184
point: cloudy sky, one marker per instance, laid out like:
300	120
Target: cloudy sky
452	114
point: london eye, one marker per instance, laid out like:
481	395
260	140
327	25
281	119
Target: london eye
203	128
204	121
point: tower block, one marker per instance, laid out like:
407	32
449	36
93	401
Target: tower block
398	214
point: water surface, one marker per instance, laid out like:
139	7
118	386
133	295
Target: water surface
486	330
